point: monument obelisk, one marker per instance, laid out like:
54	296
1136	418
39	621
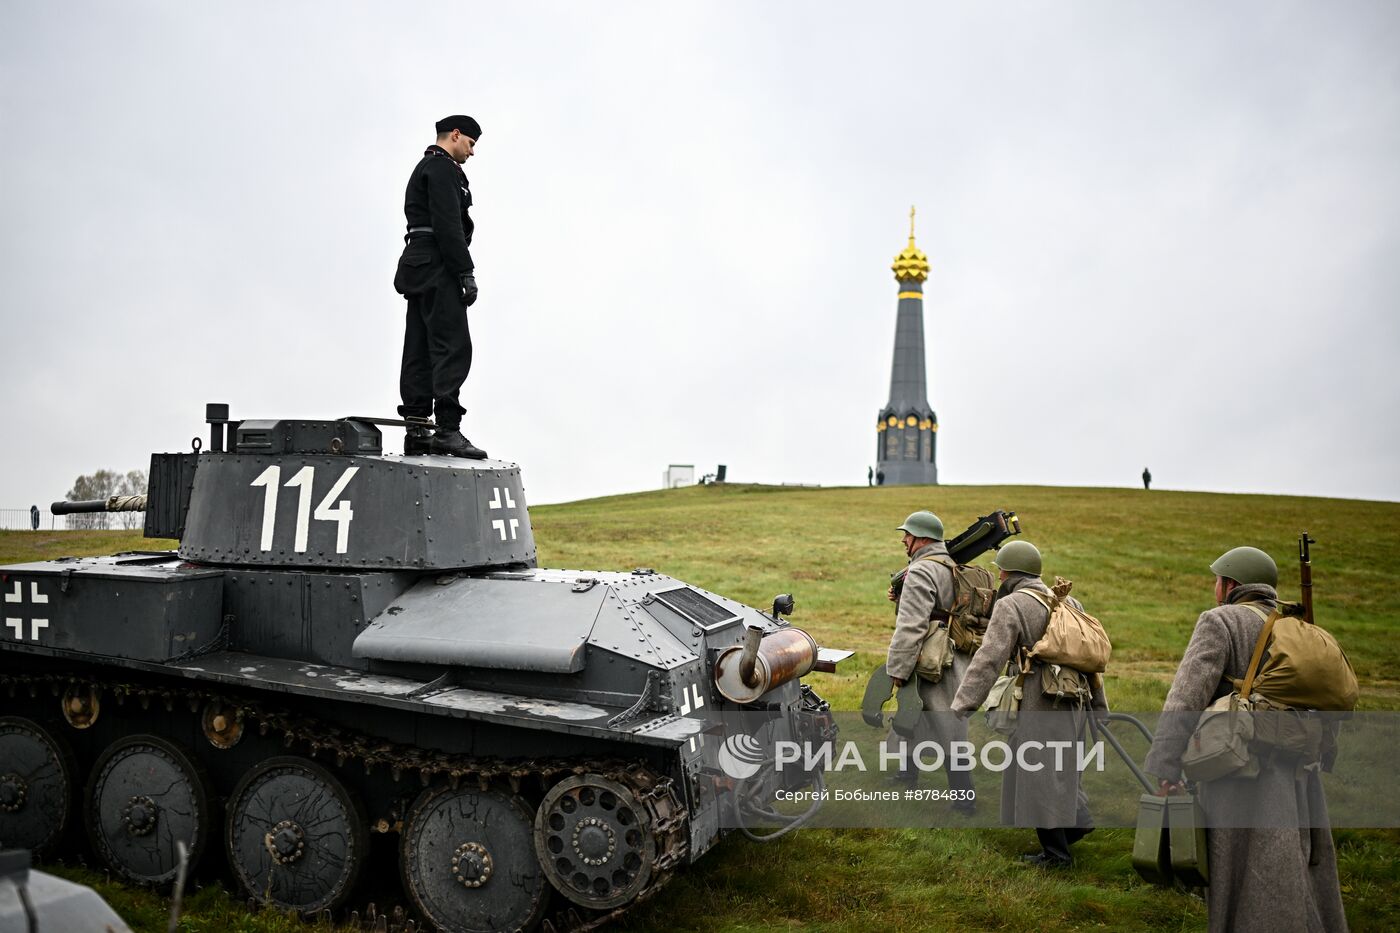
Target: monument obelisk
907	432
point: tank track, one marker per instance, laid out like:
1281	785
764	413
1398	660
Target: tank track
656	793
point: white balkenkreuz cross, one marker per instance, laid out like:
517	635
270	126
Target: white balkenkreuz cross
500	524
36	599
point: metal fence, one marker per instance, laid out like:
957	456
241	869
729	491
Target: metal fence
22	520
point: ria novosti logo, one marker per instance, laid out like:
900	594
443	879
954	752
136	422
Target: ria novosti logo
742	756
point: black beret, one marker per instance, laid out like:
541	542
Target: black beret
464	124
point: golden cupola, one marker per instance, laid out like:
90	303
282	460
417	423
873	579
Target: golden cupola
911	264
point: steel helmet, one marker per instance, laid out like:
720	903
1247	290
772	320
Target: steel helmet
1018	556
1246	565
924	525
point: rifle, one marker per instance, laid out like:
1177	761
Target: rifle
981	536
1305	571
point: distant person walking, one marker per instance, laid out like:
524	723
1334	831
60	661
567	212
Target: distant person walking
1146	478
880	478
437	276
34	517
870	476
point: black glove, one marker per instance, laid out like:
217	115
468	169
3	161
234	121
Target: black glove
468	288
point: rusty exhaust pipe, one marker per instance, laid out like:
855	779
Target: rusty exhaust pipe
743	673
748	658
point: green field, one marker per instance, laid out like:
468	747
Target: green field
1139	561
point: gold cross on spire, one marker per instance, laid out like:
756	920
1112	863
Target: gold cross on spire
911	264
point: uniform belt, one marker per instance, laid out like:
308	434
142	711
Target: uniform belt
416	231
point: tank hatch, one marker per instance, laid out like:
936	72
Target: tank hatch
321	496
490	623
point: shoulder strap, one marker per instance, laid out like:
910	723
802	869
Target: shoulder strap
939	614
1256	608
1027	656
1038	596
1248	685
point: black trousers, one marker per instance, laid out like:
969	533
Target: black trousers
437	351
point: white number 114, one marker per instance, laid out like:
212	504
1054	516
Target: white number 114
340	513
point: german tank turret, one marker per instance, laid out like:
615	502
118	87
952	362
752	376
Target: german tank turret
349	643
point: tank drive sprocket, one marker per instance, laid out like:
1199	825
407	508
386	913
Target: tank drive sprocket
601	840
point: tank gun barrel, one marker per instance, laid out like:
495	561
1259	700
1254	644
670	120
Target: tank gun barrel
112	504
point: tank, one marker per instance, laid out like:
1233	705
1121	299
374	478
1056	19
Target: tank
353	662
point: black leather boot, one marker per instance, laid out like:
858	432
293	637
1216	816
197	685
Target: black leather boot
453	444
417	440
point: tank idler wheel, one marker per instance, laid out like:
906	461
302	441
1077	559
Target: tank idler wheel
469	863
36	785
297	838
594	839
144	796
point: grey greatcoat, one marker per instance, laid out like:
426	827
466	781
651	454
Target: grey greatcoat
1050	797
1269	879
928	588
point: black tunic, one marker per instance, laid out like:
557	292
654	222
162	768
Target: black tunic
439	196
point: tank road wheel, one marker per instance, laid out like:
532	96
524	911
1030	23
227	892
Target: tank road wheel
594	839
469	863
146	794
296	836
36	785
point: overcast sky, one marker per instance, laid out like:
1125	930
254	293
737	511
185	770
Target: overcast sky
1161	234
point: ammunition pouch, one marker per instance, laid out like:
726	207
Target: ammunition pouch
1220	746
1004	699
936	653
1287	731
966	636
1064	683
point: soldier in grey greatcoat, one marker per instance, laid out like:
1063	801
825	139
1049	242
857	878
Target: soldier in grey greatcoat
1050	799
1262	879
925	600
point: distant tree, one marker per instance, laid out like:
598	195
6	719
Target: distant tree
100	485
132	484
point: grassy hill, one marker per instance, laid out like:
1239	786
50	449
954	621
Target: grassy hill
1139	561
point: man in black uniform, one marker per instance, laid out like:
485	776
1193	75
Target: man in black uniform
435	274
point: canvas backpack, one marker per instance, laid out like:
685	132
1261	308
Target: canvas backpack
1073	639
1306	670
974	591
